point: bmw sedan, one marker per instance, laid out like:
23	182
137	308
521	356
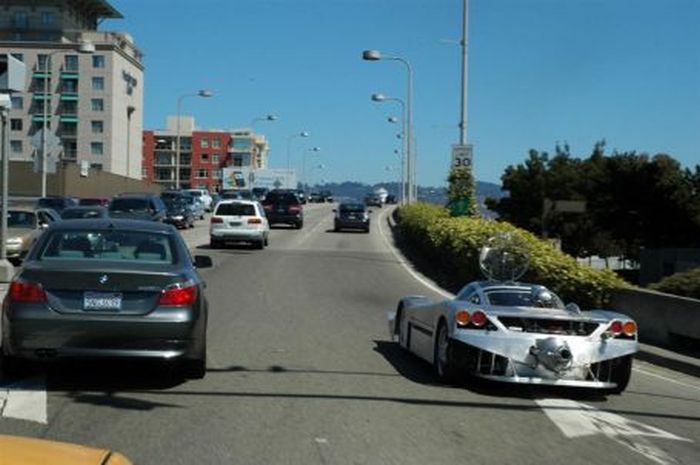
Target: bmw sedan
108	288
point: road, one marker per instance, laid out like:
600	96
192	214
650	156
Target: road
301	371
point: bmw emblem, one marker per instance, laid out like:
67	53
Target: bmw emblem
103	279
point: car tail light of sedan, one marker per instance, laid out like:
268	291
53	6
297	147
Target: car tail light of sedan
26	291
178	295
216	219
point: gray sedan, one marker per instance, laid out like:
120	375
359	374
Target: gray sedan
108	288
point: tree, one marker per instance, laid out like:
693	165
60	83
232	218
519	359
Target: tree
461	193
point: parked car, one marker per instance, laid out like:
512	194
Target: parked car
518	333
99	201
239	221
24	226
108	288
283	206
178	213
203	195
137	206
77	213
351	215
56	203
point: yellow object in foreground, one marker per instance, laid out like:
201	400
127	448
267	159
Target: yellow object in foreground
16	450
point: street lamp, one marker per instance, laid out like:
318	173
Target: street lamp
289	147
376	55
84	47
262	118
404	162
201	93
303	165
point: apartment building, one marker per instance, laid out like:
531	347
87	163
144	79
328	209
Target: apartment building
203	154
84	85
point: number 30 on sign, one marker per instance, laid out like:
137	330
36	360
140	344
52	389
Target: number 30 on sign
461	156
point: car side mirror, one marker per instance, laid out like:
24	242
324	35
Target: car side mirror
203	261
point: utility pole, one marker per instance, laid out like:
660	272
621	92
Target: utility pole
463	43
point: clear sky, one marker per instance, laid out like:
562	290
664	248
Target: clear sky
540	71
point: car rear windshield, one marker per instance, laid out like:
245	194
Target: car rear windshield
112	245
235	209
277	197
19	219
127	205
352	208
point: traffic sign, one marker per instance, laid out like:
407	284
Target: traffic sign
462	155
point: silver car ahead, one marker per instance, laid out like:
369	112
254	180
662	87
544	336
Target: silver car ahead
108	288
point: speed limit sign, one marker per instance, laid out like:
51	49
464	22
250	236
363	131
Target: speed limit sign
461	155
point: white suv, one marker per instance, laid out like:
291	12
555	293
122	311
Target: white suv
203	195
239	221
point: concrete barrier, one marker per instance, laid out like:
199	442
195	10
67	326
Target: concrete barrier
663	319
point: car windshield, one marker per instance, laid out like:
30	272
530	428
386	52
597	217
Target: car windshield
129	204
352	208
99	245
235	209
510	298
20	219
77	213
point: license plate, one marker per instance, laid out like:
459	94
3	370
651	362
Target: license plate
102	301
280	210
235	223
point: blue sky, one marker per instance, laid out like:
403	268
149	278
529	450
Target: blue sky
540	71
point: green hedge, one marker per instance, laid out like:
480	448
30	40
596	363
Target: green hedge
686	284
454	244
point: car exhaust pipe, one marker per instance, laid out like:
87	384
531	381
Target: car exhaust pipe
553	354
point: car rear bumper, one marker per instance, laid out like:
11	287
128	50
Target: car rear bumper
284	218
237	235
351	224
42	334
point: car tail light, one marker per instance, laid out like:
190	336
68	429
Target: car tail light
629	328
254	221
479	319
615	327
216	219
294	209
267	208
178	295
462	318
25	291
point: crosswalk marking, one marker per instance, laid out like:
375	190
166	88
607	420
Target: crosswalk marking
24	400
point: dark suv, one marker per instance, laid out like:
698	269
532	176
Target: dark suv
138	207
283	206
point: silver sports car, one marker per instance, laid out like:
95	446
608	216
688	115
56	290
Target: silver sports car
518	333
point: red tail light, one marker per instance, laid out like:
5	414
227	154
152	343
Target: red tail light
294	209
216	219
615	327
178	296
479	319
254	221
25	291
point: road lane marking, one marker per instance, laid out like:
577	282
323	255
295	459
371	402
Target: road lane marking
665	378
25	400
575	419
406	266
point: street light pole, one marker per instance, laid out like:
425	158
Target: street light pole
375	55
404	144
463	105
200	93
289	148
303	166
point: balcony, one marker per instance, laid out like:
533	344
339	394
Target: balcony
69	97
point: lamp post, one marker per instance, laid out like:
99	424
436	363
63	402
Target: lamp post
201	93
289	148
262	118
376	55
83	47
404	146
303	165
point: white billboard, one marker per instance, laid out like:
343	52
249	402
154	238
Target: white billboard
245	178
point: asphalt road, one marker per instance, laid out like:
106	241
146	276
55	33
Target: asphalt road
301	371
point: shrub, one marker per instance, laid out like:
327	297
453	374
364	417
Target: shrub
455	244
686	284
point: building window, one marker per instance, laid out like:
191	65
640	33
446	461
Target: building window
98	61
71	62
21	20
42	61
204	158
17	103
215	159
216	143
96	148
96	166
19	56
204	143
144	173
16	146
70	86
16	124
98	83
202	173
46	18
98	104
69	108
217	174
97	127
242	144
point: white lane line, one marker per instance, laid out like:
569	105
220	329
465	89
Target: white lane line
25	400
405	265
665	378
576	419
